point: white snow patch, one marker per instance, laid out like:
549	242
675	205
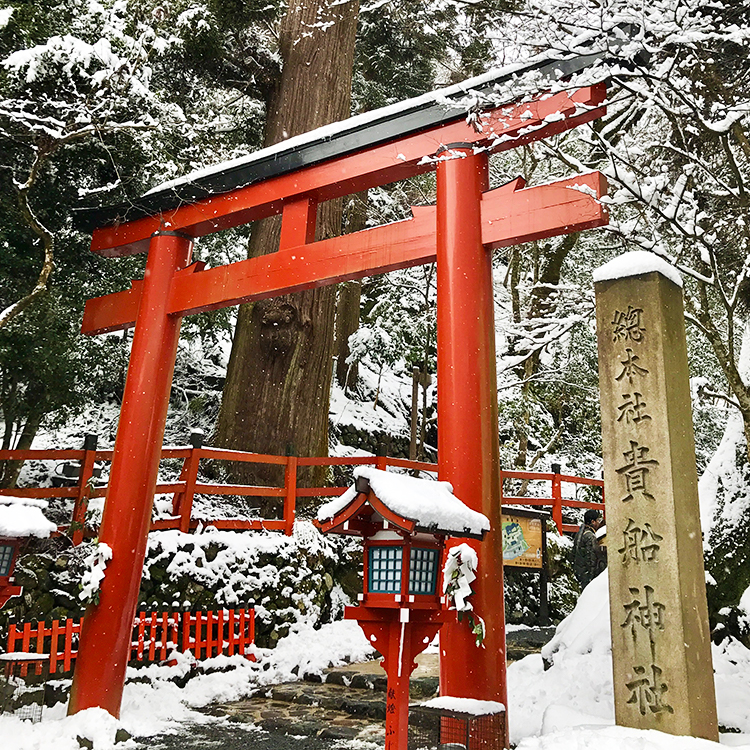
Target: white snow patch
613	738
160	706
465	705
586	629
559	708
5	16
60	732
722	468
23	517
636	263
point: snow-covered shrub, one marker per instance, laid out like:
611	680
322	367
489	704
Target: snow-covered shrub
725	517
293	580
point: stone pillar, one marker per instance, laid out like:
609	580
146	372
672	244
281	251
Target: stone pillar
663	675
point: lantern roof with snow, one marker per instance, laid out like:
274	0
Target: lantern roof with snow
410	504
23	517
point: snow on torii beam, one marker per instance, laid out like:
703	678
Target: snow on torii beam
505	127
467	220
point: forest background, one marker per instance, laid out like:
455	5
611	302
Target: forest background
101	101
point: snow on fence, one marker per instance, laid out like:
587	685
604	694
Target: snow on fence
156	636
187	485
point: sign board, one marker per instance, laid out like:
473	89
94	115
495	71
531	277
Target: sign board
523	539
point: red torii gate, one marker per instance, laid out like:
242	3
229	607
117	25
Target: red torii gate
459	232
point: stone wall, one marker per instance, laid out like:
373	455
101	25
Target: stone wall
302	577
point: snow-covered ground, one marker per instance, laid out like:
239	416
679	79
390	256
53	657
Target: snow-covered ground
571	707
567	707
160	706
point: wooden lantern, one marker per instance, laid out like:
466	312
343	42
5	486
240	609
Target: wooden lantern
20	519
405	523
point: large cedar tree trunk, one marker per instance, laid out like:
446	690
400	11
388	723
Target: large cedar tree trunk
348	303
277	391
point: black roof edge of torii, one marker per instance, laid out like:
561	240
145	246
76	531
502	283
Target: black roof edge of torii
421	116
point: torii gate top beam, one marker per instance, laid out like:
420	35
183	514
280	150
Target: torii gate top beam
366	151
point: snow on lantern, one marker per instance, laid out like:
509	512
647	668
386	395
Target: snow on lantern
404	523
20	519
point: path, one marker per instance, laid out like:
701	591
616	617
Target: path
343	710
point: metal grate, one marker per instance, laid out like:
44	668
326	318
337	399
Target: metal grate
422	571
440	729
385	570
22	696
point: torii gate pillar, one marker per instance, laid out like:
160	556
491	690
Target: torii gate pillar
468	451
470	221
104	648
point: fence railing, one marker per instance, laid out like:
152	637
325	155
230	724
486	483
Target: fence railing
187	485
156	636
555	500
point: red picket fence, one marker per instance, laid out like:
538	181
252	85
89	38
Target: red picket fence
186	486
155	636
556	500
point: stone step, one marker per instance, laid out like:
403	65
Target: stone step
348	703
317	718
420	686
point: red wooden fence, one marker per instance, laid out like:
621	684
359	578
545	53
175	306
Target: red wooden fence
556	499
155	636
186	486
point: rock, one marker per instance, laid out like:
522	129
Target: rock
66	599
339	678
45	603
55	693
194	590
361	681
85	742
122	735
421	687
339	733
26	578
38	562
60	613
43	579
350	580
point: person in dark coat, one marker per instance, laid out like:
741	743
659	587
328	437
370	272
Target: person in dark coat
586	554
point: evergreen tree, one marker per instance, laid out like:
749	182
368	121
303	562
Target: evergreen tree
74	107
279	373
